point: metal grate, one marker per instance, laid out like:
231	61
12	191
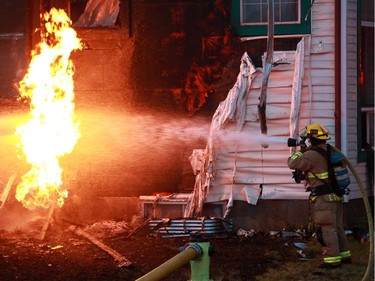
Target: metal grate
187	226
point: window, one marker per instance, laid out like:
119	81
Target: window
94	13
255	12
250	17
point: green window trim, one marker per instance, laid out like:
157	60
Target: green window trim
304	27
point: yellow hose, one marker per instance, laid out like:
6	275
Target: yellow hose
370	262
171	265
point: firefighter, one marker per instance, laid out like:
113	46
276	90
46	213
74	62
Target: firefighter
327	205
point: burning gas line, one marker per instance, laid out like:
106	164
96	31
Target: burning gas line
52	129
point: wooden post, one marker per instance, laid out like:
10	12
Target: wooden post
5	193
122	261
266	71
48	219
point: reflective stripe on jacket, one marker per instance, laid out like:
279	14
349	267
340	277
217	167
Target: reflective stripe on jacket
323	176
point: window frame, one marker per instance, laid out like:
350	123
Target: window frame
260	29
263	23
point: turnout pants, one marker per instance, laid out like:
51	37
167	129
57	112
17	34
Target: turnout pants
328	213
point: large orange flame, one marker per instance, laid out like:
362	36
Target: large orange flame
52	129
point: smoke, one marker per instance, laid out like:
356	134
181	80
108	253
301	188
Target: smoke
14	217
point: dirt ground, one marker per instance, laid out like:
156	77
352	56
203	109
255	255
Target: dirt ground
65	254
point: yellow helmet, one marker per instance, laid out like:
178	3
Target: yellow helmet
316	131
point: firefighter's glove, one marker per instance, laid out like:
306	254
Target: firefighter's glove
298	176
303	149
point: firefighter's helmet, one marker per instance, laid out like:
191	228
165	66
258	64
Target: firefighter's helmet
315	131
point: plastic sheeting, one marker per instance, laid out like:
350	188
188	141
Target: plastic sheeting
99	13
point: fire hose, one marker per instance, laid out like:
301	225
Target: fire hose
197	253
370	262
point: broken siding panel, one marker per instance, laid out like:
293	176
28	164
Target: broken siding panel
276	127
274	95
274	111
271	84
278	96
